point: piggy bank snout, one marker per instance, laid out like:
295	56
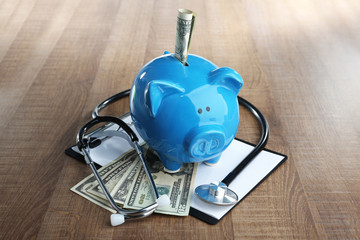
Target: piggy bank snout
205	142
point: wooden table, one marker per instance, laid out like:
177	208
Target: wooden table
300	61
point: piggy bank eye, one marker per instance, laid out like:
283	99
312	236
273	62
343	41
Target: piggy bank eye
200	110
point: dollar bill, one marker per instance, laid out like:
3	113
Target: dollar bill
83	187
122	188
184	29
112	177
178	186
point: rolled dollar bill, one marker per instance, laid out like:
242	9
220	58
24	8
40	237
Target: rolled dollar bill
184	28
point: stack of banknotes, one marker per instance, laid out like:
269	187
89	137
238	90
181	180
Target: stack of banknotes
126	181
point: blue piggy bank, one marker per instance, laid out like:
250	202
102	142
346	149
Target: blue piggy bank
185	113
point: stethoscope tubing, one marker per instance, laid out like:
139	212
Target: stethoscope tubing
265	131
109	101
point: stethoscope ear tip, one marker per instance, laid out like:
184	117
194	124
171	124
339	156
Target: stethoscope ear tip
163	200
117	219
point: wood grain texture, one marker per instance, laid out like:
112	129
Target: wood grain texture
300	61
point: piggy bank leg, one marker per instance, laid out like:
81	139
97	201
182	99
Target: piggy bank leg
170	166
213	161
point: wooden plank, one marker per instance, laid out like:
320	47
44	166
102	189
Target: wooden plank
300	61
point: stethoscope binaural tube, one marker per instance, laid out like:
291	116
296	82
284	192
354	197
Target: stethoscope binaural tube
83	145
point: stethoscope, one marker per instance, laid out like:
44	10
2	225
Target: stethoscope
214	193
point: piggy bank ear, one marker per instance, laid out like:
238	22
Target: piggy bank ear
227	78
156	91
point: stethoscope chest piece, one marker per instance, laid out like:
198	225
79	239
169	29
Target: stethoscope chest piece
216	193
